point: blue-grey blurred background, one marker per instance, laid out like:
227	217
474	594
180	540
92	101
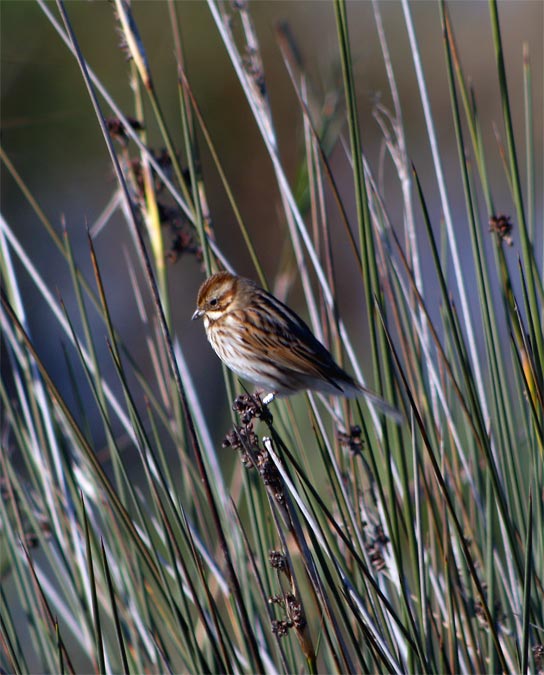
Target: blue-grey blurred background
50	133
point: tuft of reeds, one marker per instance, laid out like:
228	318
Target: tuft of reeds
331	539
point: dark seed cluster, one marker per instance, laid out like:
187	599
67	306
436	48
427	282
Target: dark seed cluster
478	609
496	612
295	611
375	545
353	440
288	602
243	437
245	440
252	59
538	654
254	69
295	617
184	240
281	628
502	226
249	407
118	130
277	560
271	476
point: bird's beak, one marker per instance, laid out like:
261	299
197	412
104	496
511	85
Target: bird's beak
198	313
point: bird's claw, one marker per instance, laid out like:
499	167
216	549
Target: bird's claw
268	398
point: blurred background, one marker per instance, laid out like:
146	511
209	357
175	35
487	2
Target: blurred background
50	134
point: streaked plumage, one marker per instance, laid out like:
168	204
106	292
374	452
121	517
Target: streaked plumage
263	341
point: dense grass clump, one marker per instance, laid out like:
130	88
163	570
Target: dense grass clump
144	530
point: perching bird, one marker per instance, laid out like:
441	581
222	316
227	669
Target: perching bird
263	341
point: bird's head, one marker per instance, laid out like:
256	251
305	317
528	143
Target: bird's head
217	295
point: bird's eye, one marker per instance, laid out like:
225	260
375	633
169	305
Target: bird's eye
213	302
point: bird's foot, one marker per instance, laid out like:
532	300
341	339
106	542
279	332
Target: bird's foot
268	398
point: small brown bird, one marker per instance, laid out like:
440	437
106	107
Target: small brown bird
263	341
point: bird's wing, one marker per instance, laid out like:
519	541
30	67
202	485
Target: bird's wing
284	338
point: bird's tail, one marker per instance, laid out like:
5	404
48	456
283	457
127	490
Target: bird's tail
382	406
350	388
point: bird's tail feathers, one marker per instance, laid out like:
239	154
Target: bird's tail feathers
382	406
